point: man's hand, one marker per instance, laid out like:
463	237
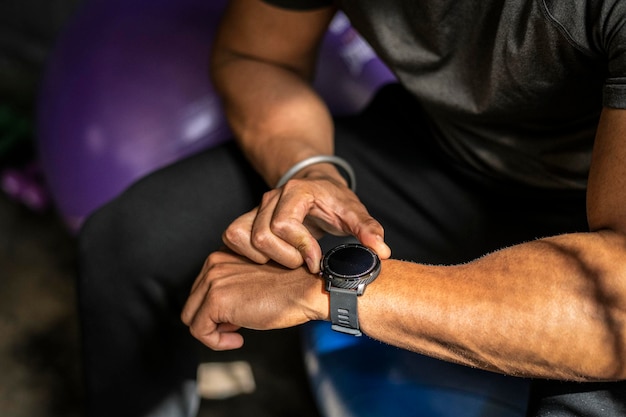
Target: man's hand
231	292
286	225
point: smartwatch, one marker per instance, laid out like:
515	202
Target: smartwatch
347	269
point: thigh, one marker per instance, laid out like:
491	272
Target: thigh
139	257
165	225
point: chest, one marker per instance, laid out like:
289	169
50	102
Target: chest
482	59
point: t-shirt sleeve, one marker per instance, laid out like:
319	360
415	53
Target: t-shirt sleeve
614	94
300	4
614	36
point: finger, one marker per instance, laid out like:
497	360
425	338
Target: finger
201	276
238	238
198	292
357	222
222	255
215	335
224	336
192	305
298	236
265	238
293	222
371	234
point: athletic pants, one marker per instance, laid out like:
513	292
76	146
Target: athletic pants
141	252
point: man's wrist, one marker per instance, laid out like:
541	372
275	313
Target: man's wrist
317	298
300	168
323	171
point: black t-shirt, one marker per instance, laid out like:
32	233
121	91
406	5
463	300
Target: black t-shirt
513	88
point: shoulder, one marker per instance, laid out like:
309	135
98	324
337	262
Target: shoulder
595	26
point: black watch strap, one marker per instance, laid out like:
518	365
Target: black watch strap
343	311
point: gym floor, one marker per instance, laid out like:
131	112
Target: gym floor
39	349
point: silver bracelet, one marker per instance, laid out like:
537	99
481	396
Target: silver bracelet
340	162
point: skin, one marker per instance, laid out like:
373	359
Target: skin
552	308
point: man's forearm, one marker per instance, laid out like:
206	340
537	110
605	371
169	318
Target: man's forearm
275	115
550	308
262	64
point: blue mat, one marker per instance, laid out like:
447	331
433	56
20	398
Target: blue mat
361	377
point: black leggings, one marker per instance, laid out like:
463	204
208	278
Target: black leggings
141	252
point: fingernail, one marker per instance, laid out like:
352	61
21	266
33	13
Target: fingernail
313	266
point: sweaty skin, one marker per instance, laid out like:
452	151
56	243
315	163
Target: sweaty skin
550	308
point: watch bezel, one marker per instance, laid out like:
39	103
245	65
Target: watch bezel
352	281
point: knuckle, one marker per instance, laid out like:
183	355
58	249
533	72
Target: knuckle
184	317
267	196
280	226
214	258
234	236
370	224
261	240
216	273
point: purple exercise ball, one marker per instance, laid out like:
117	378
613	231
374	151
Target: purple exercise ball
349	72
127	91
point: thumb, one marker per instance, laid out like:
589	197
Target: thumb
376	242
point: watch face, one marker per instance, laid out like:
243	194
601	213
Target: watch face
350	261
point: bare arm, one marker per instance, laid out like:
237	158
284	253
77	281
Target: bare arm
553	308
262	65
